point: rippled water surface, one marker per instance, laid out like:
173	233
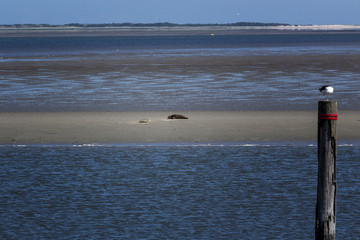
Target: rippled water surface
178	72
170	192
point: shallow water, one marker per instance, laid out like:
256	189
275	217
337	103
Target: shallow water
160	191
238	191
178	72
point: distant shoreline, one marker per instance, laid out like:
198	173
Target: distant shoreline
152	30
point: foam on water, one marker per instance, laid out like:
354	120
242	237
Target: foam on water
275	144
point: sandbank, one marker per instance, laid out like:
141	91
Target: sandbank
125	127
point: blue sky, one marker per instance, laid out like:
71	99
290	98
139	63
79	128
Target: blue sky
180	11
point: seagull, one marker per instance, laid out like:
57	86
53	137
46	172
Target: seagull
326	90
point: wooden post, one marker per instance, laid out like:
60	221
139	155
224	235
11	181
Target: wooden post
326	189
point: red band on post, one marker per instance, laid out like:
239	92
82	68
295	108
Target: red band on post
328	116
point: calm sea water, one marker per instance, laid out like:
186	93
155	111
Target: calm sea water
170	192
69	74
24	46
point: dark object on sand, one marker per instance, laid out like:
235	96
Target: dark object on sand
177	116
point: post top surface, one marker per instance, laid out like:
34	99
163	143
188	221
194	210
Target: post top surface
328	107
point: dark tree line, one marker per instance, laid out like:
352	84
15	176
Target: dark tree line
159	24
